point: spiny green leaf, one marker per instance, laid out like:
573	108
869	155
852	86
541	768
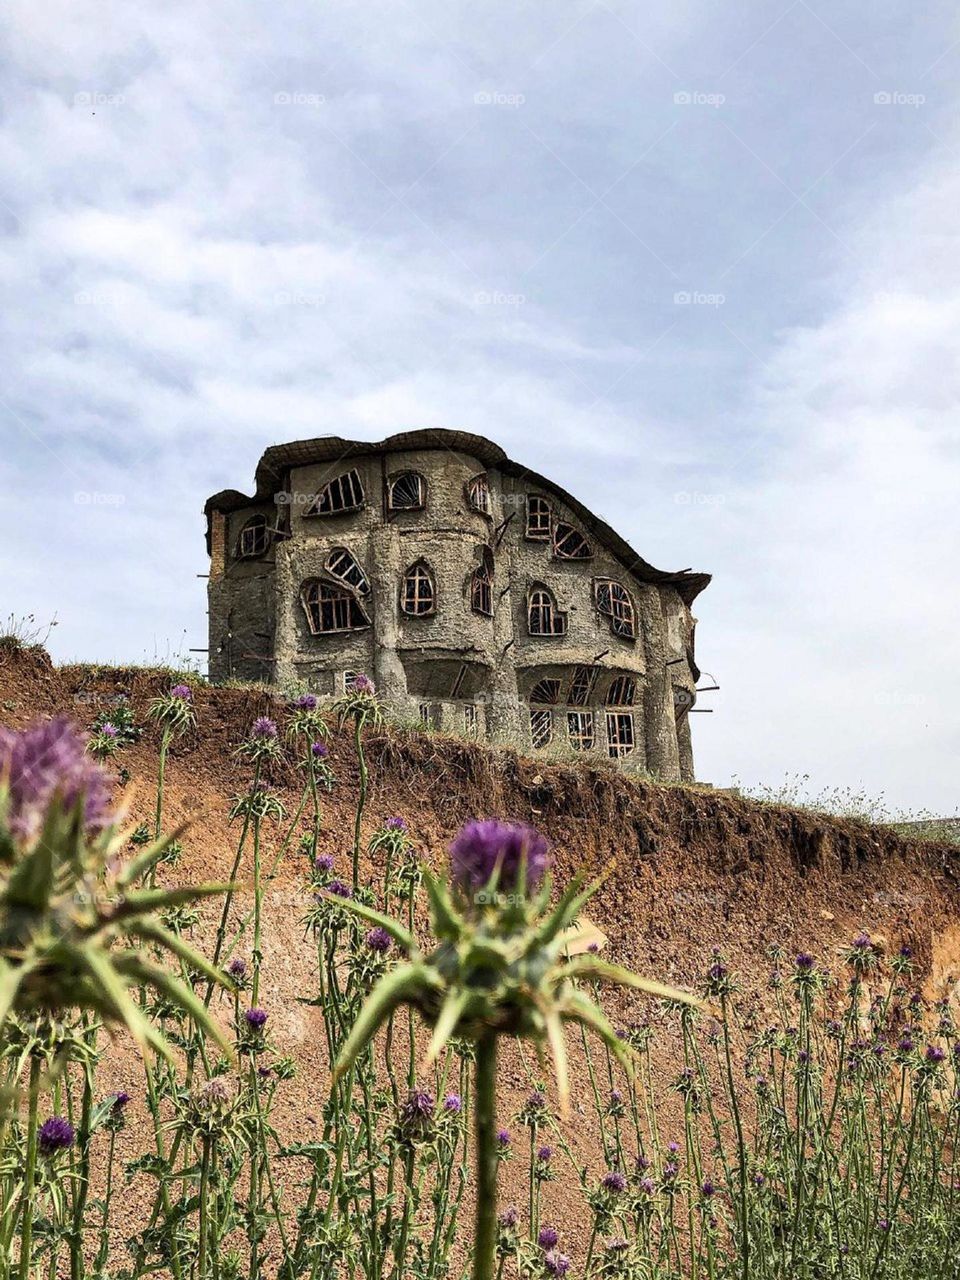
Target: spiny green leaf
588	966
447	923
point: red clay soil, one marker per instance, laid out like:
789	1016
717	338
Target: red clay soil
694	869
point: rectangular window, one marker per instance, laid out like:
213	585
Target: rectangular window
619	733
481	593
580	730
541	727
538	518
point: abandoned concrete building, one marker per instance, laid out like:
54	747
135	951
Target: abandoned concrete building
480	597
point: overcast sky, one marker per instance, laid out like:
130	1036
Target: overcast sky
696	262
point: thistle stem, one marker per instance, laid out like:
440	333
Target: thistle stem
29	1172
485	1120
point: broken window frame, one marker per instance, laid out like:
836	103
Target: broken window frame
257	524
334	601
581	686
478	493
622	692
569	543
549	697
542	607
541	727
418	497
537	530
615	603
417	576
343	565
481	592
581	730
348	490
471	719
621	738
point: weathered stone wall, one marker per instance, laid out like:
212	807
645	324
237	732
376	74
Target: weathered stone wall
255	609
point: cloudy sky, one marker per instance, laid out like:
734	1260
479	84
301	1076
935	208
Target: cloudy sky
697	262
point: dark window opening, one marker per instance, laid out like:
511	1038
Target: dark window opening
481	592
343	493
478	494
539	518
344	566
580	730
254	539
614	602
406	492
541	728
622	692
546	692
543	616
419	595
582	686
570	544
619	733
331	607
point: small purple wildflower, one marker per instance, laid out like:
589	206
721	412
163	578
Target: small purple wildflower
646	1186
323	862
237	968
557	1264
708	1189
395	824
306	702
862	942
379	940
548	1237
484	846
319	750
109	730
805	962
338	889
49	759
503	1139
594	948
416	1114
545	1154
256	1018
120	1100
453	1103
264	727
934	1055
363	684
614	1181
183	692
55	1134
673	1147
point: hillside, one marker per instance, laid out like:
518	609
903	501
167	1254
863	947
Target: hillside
693	870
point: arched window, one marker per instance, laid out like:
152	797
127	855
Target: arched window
615	603
331	607
622	692
341	564
418	596
546	692
539	517
481	591
478	494
543	616
570	544
254	539
343	493
406	492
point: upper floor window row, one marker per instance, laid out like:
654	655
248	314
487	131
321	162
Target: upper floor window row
567	542
405	491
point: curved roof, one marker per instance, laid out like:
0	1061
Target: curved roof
279	458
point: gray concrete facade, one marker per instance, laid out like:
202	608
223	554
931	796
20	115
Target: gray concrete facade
281	610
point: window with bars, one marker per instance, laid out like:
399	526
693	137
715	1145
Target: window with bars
546	692
541	727
619	733
471	719
254	539
622	692
418	596
580	730
539	518
543	616
341	564
343	493
478	494
570	544
331	607
581	686
481	592
406	492
614	602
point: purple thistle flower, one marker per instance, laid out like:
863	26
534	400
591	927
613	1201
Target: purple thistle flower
306	702
323	862
120	1100
319	750
483	846
363	684
906	1045
669	1171
673	1147
614	1181
646	1186
643	1164
109	730
708	1189
862	942
264	727
55	1134
805	962
453	1103
759	1180
508	1219
237	968
395	824
183	692
545	1154
379	940
906	953
934	1055
503	1139
883	1224
548	1237
338	889
594	948
558	1264
49	759
416	1114
256	1018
